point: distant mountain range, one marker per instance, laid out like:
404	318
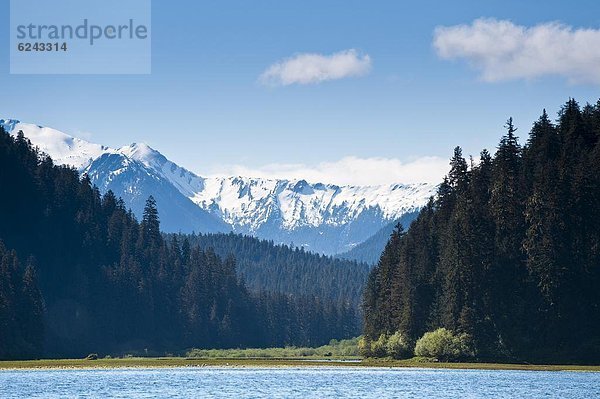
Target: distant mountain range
323	218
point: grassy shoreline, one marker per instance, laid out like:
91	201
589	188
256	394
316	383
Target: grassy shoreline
147	362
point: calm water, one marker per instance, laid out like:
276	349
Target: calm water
319	382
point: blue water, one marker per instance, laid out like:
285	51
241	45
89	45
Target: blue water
305	382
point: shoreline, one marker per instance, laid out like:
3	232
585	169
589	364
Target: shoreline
173	362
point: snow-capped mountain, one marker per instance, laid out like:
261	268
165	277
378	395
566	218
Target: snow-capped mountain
64	149
320	217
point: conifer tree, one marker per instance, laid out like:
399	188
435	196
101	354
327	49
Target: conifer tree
150	226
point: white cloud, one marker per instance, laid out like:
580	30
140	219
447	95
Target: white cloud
351	171
502	50
316	68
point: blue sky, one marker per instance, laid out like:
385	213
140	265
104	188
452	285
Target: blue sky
205	107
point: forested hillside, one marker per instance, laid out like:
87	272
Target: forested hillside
508	254
267	267
110	284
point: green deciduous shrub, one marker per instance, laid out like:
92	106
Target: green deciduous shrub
364	346
398	346
379	347
444	345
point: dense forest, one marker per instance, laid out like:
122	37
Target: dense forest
80	274
265	266
508	253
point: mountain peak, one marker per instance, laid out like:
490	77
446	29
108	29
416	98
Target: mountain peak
302	187
63	148
140	152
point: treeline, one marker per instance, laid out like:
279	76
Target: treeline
109	283
508	253
265	266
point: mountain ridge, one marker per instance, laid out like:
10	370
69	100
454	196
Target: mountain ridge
325	218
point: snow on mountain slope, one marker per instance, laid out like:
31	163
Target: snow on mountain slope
64	149
250	202
320	217
185	181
